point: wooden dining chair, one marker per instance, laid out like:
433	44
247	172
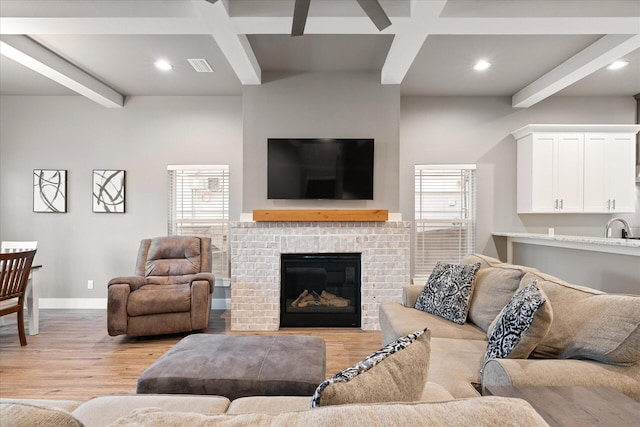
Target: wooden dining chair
19	246
14	274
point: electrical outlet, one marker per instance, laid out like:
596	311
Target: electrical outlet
90	284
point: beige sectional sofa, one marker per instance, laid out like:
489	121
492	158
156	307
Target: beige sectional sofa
594	339
180	410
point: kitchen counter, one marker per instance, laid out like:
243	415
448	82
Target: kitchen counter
586	243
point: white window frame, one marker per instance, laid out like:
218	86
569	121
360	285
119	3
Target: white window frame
198	205
444	215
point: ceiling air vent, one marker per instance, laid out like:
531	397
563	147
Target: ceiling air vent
200	65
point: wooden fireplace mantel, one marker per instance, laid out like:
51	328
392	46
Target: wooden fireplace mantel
313	215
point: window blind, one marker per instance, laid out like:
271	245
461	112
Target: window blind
445	215
199	206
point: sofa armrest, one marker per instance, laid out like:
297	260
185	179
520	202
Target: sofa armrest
410	295
208	277
134	282
562	372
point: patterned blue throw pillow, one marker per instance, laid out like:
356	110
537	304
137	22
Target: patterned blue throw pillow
448	291
509	329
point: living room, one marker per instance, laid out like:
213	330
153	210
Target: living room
468	120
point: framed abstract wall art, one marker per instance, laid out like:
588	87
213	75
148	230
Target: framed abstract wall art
108	191
50	190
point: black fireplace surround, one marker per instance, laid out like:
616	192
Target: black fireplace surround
320	290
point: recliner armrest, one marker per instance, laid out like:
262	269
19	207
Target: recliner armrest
204	276
134	282
117	318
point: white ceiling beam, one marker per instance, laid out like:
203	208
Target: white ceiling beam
105	17
97	17
600	54
100	25
314	25
32	55
150	25
215	18
94	8
536	26
409	40
343	25
443	25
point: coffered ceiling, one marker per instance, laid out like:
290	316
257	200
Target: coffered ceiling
105	49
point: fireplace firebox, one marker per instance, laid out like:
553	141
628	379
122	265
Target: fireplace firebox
320	290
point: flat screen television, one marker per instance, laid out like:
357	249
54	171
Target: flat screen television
320	168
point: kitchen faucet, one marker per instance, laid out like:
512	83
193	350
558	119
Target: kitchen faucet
624	223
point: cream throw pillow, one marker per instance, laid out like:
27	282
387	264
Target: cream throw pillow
24	414
396	373
493	288
590	324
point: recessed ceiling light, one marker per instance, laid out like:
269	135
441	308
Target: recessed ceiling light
163	65
617	65
481	65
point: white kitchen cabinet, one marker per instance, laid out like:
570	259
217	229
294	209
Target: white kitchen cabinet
550	175
609	172
576	168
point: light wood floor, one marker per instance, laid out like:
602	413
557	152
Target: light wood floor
73	357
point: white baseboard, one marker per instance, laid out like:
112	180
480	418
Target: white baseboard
73	303
101	303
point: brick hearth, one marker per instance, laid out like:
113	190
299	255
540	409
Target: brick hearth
255	264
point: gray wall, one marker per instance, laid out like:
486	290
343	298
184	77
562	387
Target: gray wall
150	132
321	105
78	135
477	130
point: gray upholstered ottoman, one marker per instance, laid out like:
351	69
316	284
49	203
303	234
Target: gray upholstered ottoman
238	366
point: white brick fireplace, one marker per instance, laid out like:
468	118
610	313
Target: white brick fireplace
255	264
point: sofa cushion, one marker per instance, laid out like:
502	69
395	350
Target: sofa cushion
589	324
493	288
485	411
397	320
562	373
435	393
268	404
279	404
102	411
173	256
487	261
396	373
158	299
448	291
520	326
25	414
612	334
455	364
